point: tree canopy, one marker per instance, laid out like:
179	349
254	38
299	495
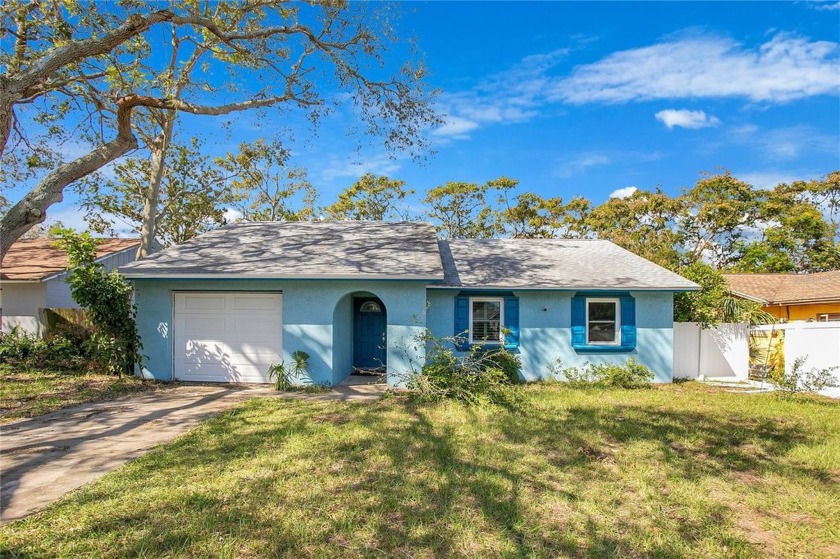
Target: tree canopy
79	69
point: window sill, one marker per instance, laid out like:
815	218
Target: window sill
603	349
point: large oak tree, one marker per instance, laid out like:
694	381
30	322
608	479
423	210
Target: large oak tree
83	70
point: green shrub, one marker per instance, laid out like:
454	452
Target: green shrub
800	380
107	298
58	350
505	361
286	376
629	375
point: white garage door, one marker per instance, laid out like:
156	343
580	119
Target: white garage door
226	337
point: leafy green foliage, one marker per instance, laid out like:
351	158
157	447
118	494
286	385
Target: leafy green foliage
463	210
192	200
107	298
481	376
59	351
799	380
606	375
285	376
714	304
263	187
371	198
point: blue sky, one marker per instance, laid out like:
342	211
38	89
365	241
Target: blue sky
596	98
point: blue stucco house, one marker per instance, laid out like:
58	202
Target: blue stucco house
359	295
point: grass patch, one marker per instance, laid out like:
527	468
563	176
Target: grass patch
27	392
676	471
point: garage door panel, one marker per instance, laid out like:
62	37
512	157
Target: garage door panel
201	326
255	303
241	352
202	302
216	372
228	342
268	328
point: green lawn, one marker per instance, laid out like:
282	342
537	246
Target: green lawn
27	393
677	471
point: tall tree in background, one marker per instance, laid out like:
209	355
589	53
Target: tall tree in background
795	235
193	195
463	209
87	67
719	214
646	223
371	198
264	188
531	216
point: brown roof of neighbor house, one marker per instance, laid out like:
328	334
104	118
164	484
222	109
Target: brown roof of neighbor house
787	289
38	259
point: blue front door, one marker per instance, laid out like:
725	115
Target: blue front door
369	333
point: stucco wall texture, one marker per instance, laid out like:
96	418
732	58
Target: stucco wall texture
317	318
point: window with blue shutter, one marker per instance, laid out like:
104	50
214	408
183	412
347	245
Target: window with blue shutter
486	318
603	322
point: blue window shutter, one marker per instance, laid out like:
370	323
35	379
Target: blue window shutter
511	322
462	323
628	322
578	321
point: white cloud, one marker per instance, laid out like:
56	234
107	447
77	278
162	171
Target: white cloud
456	127
686	119
580	163
783	143
826	6
784	68
690	66
348	168
625	192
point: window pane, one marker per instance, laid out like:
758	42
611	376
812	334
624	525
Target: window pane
602	332
602	311
486	316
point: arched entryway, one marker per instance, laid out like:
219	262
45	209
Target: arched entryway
370	325
360	341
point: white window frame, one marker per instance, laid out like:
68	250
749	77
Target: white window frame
501	302
617	302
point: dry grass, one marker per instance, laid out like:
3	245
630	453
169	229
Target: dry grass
27	393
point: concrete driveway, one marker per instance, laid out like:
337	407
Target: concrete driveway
43	458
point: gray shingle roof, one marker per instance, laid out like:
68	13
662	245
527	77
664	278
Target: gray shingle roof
338	249
554	264
404	250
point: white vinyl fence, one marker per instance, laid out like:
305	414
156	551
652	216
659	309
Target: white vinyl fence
818	342
721	353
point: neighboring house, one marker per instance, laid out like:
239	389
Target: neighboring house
359	295
32	278
789	297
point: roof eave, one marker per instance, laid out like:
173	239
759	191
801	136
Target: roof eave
669	289
230	276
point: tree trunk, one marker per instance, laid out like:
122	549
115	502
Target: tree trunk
150	204
32	209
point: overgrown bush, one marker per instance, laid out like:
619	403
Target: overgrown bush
58	350
629	375
107	298
800	380
483	375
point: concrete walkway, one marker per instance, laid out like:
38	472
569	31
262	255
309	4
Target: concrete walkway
43	458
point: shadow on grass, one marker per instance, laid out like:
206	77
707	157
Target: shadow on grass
399	479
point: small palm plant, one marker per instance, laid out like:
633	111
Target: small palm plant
284	376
